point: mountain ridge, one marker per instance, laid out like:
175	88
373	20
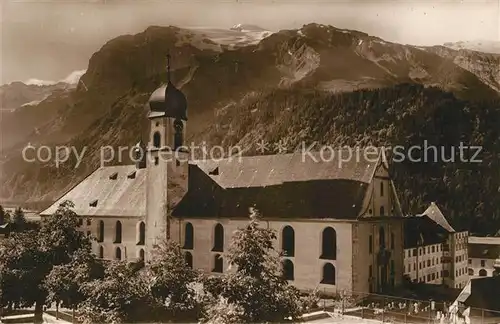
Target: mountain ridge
108	106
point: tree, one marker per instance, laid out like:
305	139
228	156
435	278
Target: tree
27	258
18	220
173	282
121	296
257	291
65	281
23	267
2	215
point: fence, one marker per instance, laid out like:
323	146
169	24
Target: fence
391	309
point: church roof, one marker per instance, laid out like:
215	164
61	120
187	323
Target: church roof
268	170
108	191
434	213
286	185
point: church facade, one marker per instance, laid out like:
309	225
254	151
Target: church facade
339	225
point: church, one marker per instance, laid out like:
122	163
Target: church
339	225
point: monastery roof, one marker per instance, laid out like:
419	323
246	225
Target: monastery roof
286	185
114	190
422	231
434	213
483	251
484	240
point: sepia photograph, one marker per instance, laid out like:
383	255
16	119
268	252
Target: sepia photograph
250	161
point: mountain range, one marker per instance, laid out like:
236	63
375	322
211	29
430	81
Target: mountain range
316	83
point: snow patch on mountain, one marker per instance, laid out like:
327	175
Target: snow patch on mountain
72	78
479	46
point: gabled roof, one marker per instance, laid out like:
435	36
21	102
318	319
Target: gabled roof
101	195
482	293
268	170
434	213
421	231
286	185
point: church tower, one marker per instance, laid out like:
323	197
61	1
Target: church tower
167	158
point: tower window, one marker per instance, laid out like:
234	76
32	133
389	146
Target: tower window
381	238
101	252
141	254
157	139
381	189
382	210
93	203
156	160
178	136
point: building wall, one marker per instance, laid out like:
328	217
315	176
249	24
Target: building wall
130	236
368	269
476	265
424	263
306	260
455	256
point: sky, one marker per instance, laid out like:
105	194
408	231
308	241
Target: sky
50	39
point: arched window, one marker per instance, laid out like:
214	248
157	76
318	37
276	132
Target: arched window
178	126
141	254
101	252
329	244
218	263
188	236
218	238
142	234
483	273
382	211
100	232
118	253
188	257
328	274
118	232
381	189
471	272
288	241
288	269
157	139
381	238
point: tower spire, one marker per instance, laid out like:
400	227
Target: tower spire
168	67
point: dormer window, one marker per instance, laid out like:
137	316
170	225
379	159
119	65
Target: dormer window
131	175
93	203
114	176
214	171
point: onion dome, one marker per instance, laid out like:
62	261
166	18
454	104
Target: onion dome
168	101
